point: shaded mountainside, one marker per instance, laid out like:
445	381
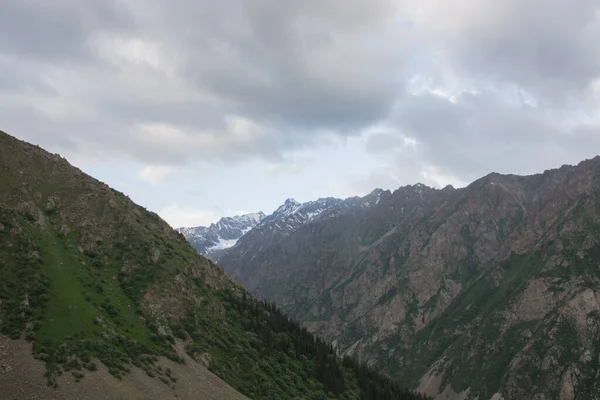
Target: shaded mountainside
488	290
95	282
209	241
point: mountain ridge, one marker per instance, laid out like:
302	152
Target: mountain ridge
289	216
405	274
219	236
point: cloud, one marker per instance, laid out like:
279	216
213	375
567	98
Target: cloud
400	160
56	31
178	216
182	216
388	140
298	64
455	88
547	47
156	174
237	80
469	135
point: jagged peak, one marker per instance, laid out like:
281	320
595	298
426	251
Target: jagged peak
490	179
287	208
244	218
256	216
421	186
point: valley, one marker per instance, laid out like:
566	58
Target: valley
488	290
299	200
101	298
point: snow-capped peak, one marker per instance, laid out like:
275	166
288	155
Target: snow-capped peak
292	214
289	207
255	217
222	234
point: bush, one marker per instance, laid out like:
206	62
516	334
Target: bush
91	366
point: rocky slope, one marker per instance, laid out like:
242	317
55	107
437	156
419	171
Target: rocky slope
488	291
111	298
218	237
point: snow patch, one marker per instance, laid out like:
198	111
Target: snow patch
223	244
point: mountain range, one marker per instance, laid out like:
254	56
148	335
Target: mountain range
491	291
102	299
216	240
212	240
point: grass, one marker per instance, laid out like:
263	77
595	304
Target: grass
78	308
80	295
67	313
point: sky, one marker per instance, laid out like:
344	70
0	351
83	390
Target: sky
199	109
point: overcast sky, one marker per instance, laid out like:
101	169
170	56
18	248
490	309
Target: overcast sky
199	109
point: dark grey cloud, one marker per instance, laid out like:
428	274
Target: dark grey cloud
548	47
470	135
295	64
56	30
293	68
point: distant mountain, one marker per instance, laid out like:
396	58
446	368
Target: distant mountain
216	240
221	235
284	221
291	214
487	291
102	299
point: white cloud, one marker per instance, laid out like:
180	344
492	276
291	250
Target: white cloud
434	176
183	216
157	174
122	51
180	216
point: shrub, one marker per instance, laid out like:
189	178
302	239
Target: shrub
91	366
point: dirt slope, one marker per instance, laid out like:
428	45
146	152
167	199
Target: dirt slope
21	378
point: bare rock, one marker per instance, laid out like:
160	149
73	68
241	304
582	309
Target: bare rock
569	384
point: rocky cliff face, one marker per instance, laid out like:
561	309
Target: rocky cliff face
219	237
489	290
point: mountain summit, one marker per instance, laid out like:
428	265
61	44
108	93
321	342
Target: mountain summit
221	235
